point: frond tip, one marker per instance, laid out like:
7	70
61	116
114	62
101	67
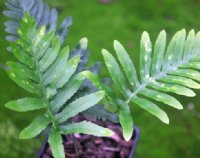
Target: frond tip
43	14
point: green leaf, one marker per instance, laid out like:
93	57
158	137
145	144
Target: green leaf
25	46
85	127
145	56
176	45
94	79
173	88
39	124
50	55
151	108
179	47
27	28
18	68
58	79
59	62
169	52
109	95
161	97
191	65
26	104
189	44
22	56
23	82
55	141
65	93
80	105
115	72
159	50
45	44
192	74
196	47
180	80
126	63
126	122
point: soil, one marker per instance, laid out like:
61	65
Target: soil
87	146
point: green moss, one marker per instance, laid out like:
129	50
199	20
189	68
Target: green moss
10	146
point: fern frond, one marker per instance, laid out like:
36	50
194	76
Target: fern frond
45	70
174	69
48	17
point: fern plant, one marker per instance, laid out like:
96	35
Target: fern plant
45	16
174	70
44	70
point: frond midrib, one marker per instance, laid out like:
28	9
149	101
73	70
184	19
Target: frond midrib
43	88
158	76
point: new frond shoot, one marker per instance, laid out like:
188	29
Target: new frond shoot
44	69
163	70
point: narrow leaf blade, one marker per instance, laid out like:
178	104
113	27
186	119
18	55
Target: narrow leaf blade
86	127
65	93
55	141
50	55
126	122
192	74
109	95
39	124
24	82
173	88
145	56
58	79
158	54
126	63
179	47
151	108
115	72
181	80
80	105
26	104
60	61
189	44
162	97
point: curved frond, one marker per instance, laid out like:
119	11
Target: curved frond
51	76
45	16
171	69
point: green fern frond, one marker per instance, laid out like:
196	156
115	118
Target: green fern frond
174	69
44	70
48	17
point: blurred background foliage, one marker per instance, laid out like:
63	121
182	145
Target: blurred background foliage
123	20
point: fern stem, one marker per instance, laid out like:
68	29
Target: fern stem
153	79
48	107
